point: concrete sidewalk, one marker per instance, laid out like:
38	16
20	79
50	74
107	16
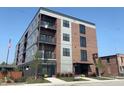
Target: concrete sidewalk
90	79
55	80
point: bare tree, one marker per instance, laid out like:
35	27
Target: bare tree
100	66
36	63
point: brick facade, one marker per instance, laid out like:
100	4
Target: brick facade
58	41
12	74
113	65
111	68
50	25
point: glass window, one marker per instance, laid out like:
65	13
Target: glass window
66	52
82	29
66	37
121	59
82	41
108	60
43	37
83	55
66	23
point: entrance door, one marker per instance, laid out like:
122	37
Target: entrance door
81	69
48	70
51	70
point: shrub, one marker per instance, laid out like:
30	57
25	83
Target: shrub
62	75
30	79
66	74
58	75
70	75
8	81
22	79
39	80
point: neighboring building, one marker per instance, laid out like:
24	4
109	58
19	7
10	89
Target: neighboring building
65	43
113	65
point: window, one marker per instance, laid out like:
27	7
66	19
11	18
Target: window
43	37
121	59
66	37
82	41
66	52
83	55
82	29
66	23
108	60
121	68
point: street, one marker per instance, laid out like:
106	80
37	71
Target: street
83	83
108	83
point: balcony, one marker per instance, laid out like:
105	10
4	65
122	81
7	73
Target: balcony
47	39
48	25
46	55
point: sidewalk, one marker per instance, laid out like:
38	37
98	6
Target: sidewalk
57	82
90	79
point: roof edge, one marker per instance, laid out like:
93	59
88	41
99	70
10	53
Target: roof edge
62	14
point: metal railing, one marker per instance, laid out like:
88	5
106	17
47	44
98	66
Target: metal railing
47	54
47	39
47	25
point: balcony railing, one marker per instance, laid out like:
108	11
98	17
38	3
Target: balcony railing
47	54
48	25
47	39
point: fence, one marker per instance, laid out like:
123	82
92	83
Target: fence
12	74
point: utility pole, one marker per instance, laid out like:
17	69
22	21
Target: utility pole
9	46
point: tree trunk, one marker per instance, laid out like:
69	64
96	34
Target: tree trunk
99	72
36	73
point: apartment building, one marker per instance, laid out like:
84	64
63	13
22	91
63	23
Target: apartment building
65	44
113	65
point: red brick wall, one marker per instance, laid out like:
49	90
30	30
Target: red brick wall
13	74
75	43
110	68
58	48
1	76
91	44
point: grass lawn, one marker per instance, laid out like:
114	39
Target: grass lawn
102	78
69	79
31	80
119	77
37	81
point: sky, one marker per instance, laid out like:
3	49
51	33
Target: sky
109	27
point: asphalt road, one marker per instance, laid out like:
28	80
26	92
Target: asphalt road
109	83
83	83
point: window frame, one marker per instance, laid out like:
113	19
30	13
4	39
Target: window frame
108	60
83	55
82	29
66	52
66	37
83	42
66	23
